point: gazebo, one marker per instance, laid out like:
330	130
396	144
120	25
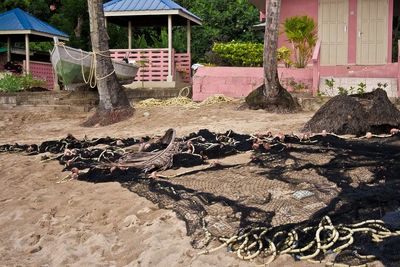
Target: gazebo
145	13
18	26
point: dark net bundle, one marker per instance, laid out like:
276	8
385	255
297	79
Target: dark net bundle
356	114
281	196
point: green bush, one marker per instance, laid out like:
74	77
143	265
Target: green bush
283	55
10	82
240	54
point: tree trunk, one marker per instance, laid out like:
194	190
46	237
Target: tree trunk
78	28
271	96
113	105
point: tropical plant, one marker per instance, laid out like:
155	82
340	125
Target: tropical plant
301	32
382	85
330	83
361	88
283	55
28	81
342	91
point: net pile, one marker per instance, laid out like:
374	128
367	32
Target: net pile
276	203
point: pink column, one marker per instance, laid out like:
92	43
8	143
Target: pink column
316	67
352	32
398	68
390	31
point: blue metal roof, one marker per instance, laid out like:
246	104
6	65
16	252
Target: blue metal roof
140	5
17	19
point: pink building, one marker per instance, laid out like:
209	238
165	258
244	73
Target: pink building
354	45
352	32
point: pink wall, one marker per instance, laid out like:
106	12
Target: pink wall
229	81
240	81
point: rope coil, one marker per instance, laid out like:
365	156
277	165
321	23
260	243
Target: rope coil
92	78
327	239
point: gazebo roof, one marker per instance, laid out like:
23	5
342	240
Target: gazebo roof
148	12
17	23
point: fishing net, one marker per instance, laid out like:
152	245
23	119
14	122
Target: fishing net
320	198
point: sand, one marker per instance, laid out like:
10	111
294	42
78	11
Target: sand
45	223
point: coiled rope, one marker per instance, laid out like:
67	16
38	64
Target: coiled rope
327	239
92	78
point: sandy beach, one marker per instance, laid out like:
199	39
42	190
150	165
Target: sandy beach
45	223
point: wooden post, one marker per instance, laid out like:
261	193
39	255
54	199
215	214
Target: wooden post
188	36
130	34
27	53
8	49
169	77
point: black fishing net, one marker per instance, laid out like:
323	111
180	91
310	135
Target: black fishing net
288	184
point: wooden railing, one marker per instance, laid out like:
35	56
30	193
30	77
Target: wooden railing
154	63
43	70
183	65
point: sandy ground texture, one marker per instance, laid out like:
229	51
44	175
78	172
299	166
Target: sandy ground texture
45	223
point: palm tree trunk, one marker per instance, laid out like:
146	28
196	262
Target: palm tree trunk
271	79
271	96
113	105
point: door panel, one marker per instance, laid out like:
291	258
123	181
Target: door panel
372	31
332	31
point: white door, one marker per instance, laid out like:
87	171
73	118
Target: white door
372	32
332	31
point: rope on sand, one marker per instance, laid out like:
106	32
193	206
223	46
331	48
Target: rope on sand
182	100
327	239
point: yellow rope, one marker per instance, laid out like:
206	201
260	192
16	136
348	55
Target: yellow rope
92	78
182	100
333	235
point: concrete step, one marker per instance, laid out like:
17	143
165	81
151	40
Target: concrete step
348	82
50	107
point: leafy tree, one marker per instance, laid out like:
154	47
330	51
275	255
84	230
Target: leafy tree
223	21
271	96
